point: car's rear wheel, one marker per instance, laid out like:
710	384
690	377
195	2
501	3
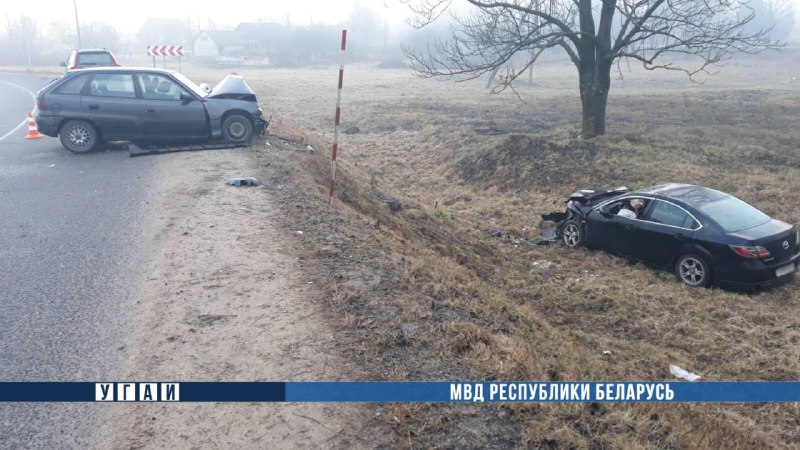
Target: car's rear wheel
237	128
693	270
79	136
572	234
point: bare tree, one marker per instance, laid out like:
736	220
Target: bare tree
100	35
778	16
683	35
24	35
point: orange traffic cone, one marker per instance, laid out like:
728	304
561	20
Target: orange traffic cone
33	132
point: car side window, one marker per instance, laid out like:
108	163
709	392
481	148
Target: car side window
112	85
159	87
669	214
73	86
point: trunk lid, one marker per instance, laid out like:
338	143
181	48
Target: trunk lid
778	237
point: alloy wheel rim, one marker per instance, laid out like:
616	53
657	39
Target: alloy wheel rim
571	235
79	136
691	271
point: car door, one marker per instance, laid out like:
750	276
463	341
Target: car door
664	230
109	101
607	230
169	111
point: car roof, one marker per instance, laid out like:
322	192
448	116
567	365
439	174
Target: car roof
689	194
122	69
92	50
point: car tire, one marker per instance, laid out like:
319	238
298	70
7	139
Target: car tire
79	136
237	128
572	234
693	270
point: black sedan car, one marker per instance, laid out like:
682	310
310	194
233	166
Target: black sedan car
704	235
87	107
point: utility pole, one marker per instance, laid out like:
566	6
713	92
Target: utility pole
77	24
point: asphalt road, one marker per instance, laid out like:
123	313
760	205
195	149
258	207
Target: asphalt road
72	229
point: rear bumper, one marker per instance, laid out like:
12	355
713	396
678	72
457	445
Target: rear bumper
754	274
48	125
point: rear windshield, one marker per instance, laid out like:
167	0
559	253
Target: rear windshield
95	59
732	214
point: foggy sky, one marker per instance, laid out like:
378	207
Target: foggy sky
128	16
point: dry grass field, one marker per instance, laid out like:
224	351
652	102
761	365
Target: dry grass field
428	294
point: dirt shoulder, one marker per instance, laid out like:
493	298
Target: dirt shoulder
227	299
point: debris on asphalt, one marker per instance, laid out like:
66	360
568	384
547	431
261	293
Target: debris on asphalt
393	204
298	232
242	181
681	373
136	150
607	352
310	148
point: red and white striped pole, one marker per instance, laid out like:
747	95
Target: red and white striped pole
335	148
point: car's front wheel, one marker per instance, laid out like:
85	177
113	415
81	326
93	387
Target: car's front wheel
572	234
693	270
237	128
79	136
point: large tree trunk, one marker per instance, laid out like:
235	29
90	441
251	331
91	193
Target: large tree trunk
594	85
594	115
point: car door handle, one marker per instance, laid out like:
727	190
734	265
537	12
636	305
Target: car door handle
149	110
94	106
680	236
629	227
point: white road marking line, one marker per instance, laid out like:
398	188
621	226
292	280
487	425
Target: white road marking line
25	119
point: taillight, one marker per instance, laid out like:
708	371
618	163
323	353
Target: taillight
40	105
750	252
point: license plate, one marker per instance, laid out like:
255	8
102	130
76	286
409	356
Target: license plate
785	270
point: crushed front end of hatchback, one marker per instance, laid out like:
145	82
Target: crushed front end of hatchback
233	93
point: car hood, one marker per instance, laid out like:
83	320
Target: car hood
233	87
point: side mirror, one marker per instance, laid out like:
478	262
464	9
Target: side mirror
605	210
62	64
186	97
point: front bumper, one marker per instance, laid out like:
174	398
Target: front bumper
754	274
48	125
261	125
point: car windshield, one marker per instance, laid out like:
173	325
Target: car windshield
190	84
733	214
95	59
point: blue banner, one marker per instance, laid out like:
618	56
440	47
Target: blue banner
516	391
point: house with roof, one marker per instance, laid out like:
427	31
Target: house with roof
214	43
263	38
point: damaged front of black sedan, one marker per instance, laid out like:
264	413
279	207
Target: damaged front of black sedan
703	235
